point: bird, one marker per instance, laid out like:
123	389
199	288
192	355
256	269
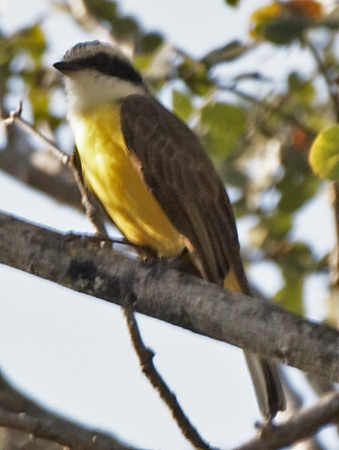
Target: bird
155	180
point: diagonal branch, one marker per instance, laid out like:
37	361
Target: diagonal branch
302	425
185	301
146	361
20	413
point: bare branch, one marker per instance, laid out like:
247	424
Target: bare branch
204	308
301	426
332	84
20	413
42	170
146	361
15	117
334	263
82	15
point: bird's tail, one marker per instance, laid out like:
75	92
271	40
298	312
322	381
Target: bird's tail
265	377
267	385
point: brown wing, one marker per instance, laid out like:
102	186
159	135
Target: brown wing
184	181
186	184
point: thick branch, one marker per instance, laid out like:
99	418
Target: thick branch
182	300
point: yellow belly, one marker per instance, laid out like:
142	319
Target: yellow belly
111	175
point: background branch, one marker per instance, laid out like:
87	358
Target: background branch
38	168
301	426
20	413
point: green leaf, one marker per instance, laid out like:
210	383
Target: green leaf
194	74
182	105
296	191
303	91
279	224
225	124
31	41
228	52
298	184
324	154
284	30
290	296
107	11
232	2
151	41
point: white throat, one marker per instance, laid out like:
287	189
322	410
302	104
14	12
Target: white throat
88	89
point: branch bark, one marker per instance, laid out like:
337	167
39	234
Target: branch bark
302	425
185	301
20	413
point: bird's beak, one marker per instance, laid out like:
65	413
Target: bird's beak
67	66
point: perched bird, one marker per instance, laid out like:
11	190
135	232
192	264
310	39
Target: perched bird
155	180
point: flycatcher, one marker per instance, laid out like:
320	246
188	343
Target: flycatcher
155	180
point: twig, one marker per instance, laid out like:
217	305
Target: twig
15	117
331	84
68	161
145	356
83	16
90	210
335	203
272	109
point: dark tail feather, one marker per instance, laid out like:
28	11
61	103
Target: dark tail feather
267	385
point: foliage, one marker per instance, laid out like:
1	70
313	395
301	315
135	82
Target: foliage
324	154
260	144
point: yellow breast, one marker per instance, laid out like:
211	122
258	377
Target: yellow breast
111	175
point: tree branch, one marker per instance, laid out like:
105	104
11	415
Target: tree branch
301	426
20	413
185	301
42	170
145	356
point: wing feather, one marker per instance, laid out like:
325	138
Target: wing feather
185	183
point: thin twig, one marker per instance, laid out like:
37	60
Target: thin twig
90	209
335	207
331	84
15	117
272	109
146	356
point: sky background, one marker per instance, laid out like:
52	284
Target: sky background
72	352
